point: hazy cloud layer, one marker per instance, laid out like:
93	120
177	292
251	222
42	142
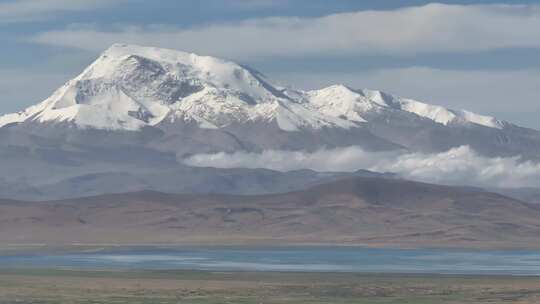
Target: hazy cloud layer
424	29
30	10
459	166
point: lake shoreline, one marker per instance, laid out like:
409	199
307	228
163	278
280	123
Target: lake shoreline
76	247
282	259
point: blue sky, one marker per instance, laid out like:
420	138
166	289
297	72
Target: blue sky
478	55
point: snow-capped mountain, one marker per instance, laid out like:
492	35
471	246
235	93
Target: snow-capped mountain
129	87
203	104
341	101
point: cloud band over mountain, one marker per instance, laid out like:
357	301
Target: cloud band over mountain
458	166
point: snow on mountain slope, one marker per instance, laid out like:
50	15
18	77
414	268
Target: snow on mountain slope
482	120
12	118
436	113
22	115
129	87
341	101
213	109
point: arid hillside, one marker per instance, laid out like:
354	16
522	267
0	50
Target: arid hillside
360	211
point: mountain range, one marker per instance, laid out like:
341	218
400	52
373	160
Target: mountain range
128	121
103	160
182	103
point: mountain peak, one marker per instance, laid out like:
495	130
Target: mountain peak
119	51
122	49
130	86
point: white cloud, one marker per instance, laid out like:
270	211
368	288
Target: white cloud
459	166
29	10
429	28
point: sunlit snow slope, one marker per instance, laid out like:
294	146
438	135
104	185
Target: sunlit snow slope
129	87
201	104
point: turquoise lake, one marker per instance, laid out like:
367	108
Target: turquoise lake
308	259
